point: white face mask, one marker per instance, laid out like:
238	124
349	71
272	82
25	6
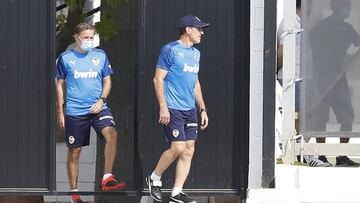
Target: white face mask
87	45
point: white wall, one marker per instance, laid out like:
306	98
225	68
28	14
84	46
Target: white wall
280	12
256	92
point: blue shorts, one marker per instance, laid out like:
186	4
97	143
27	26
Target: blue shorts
183	125
78	127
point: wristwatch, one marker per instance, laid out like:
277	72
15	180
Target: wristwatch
103	99
203	109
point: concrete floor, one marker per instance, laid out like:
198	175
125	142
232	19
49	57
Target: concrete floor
303	184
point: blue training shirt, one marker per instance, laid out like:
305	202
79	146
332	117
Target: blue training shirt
182	64
84	73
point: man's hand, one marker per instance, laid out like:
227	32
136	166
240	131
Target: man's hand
61	120
164	116
96	108
204	120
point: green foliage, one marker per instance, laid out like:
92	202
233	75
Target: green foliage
107	26
113	3
66	23
297	163
74	4
60	21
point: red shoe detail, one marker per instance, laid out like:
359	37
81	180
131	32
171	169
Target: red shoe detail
111	183
75	197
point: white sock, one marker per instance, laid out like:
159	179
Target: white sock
176	191
155	177
107	175
74	190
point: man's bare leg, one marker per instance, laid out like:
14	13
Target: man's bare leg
73	166
168	157
184	163
110	150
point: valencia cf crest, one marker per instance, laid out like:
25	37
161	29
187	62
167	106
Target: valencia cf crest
96	61
175	132
71	139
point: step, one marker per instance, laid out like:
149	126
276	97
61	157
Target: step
295	184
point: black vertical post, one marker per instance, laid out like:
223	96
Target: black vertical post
139	64
268	163
241	95
51	105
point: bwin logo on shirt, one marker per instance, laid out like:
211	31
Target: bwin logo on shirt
190	69
85	74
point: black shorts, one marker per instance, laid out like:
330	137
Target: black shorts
183	125
78	127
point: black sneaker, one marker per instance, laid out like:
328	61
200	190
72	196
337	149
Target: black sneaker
344	161
324	159
181	198
155	190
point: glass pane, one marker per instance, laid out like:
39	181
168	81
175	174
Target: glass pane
330	61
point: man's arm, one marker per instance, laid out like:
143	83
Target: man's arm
158	80
106	87
279	57
60	86
97	107
201	104
280	42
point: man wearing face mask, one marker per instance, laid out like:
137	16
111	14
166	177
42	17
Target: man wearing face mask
85	72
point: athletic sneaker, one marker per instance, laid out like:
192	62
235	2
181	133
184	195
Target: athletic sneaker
315	162
181	198
344	161
324	159
76	199
111	183
154	188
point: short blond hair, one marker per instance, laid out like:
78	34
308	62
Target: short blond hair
83	26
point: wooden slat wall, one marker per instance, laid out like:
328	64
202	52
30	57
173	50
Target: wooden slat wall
26	92
224	75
